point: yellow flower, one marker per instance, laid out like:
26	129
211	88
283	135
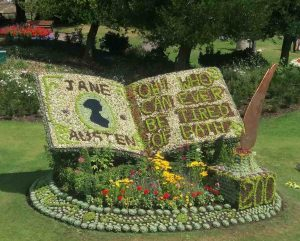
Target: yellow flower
171	177
203	173
125	181
158	155
161	164
196	164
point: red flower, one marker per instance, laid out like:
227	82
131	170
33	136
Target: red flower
155	192
120	198
216	192
105	192
166	196
139	188
194	194
146	191
208	188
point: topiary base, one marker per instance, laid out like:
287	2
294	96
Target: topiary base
49	200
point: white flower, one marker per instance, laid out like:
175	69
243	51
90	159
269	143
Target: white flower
296	62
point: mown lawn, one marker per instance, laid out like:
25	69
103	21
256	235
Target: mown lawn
22	161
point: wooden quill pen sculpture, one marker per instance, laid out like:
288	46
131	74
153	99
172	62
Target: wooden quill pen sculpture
254	109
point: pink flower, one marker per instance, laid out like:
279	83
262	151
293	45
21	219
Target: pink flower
81	159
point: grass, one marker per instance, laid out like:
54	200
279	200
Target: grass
22	161
271	48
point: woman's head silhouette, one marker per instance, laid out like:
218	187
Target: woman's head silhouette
95	106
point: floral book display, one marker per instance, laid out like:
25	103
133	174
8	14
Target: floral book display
163	154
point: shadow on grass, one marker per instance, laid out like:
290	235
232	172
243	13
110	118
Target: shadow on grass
135	64
19	182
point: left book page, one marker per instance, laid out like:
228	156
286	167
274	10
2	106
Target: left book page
82	111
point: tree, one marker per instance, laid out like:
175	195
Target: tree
246	19
285	21
177	23
30	7
78	11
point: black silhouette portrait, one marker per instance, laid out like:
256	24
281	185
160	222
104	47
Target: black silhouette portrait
95	106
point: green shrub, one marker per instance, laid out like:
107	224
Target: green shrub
284	89
114	42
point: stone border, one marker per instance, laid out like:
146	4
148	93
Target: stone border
49	200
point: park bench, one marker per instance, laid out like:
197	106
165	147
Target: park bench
41	23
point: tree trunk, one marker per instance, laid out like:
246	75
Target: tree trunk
90	42
285	50
20	14
253	46
183	57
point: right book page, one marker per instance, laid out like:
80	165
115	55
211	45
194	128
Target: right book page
181	108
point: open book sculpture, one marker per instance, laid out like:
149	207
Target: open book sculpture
159	113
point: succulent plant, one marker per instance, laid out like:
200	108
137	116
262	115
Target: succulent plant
180	227
159	212
117	228
100	226
193	209
210	208
143	229
107	210
225	223
153	229
216	224
227	206
125	228
184	210
141	212
116	211
172	228
206	226
150	212
135	228
167	212
162	228
84	225
255	217
241	220
218	207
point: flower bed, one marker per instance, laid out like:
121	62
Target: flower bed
17	31
49	200
154	183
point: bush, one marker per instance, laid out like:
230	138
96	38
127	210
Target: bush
114	42
17	93
284	89
283	92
